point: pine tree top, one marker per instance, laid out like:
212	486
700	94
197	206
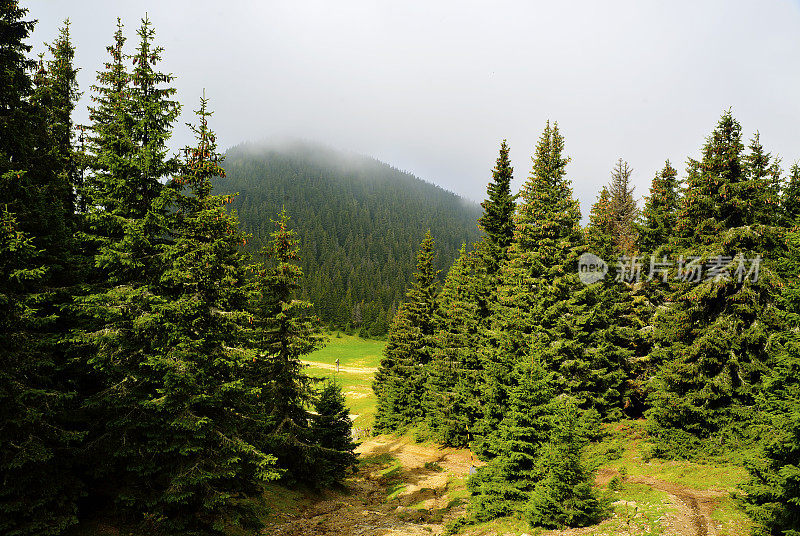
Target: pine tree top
499	207
660	210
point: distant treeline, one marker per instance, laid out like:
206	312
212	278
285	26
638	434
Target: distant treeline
358	219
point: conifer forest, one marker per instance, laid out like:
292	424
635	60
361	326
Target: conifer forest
165	313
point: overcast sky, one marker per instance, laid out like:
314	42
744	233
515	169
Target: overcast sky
432	87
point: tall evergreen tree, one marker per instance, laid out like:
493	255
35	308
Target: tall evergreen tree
154	112
126	231
452	390
536	283
182	412
715	337
658	217
790	198
284	329
109	191
401	377
600	231
36	433
623	208
610	312
498	210
39	495
470	288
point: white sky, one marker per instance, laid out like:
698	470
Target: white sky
432	87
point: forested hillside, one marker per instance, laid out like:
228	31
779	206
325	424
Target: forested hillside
358	219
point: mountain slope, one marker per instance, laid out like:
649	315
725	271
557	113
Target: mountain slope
359	222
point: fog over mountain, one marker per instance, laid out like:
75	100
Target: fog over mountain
433	88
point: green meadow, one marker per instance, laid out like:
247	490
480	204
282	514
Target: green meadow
358	359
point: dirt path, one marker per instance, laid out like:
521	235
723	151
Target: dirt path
420	505
694	506
362	509
342	368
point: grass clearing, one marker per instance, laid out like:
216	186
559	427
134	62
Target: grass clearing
731	519
625	448
357	386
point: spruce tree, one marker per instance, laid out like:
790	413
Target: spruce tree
543	310
657	221
331	431
402	374
154	112
498	210
502	487
110	189
623	208
37	432
283	330
564	496
772	494
185	447
773	490
609	317
715	336
790	197
452	389
600	231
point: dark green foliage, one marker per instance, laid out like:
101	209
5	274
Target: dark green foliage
660	210
284	329
564	496
543	311
623	210
715	337
38	437
110	191
125	232
600	231
331	430
185	456
773	492
402	375
538	278
154	113
15	85
453	385
772	497
609	312
498	210
790	201
358	219
656	228
503	486
454	392
539	470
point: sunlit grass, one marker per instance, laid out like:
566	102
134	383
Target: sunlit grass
356	386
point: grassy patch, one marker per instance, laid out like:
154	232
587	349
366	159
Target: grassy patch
731	519
350	351
638	509
625	446
356	386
